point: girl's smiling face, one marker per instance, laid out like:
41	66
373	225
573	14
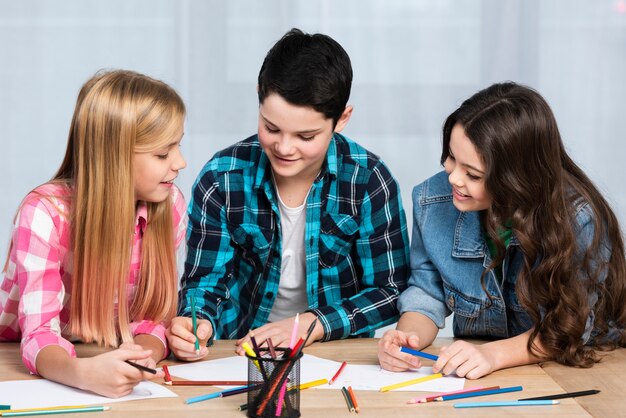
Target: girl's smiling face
466	173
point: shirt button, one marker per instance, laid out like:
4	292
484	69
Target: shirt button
275	253
451	301
269	295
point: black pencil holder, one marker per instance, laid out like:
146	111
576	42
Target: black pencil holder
266	377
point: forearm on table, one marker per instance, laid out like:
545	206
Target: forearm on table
513	351
54	363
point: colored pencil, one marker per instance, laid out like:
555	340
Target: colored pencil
294	331
346	396
168	377
194	324
504	403
353	398
140	367
562	395
5	407
418	353
270	346
255	346
208	382
479	393
44	409
214	395
430	398
411	382
281	373
313	383
243	407
343	366
56	411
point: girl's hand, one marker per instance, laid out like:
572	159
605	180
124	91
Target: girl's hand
148	362
280	332
181	340
389	355
466	360
109	375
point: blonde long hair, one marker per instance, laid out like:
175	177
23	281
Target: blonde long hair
117	114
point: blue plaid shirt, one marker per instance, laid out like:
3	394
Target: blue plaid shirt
356	242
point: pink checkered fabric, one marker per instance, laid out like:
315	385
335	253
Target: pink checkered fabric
35	291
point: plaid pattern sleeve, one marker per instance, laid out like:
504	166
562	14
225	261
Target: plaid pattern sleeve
356	242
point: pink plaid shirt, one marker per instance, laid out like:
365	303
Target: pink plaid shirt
35	291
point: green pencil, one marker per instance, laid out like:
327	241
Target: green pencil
194	323
56	411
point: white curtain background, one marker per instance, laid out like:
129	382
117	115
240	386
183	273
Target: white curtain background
414	62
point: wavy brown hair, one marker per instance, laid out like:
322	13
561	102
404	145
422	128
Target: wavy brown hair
117	114
536	185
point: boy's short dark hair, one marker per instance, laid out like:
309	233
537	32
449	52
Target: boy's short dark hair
308	70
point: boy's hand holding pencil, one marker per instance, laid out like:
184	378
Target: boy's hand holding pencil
183	341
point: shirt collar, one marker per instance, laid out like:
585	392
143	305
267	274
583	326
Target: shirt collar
330	165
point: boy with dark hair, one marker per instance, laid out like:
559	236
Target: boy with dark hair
297	219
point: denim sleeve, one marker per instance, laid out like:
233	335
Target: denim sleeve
425	293
584	239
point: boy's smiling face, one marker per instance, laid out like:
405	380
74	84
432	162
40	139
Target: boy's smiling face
295	138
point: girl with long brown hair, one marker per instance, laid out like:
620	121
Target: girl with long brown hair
93	251
516	241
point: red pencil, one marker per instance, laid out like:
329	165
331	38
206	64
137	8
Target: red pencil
167	378
207	382
343	365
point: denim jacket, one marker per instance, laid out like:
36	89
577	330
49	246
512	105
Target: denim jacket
448	257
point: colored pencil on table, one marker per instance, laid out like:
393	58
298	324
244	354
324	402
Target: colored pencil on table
194	324
208	382
353	399
479	393
214	395
346	396
140	367
313	383
5	407
418	353
44	409
343	366
52	411
168	377
430	398
562	395
504	403
410	382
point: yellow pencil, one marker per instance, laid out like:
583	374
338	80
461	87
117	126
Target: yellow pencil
250	352
313	383
411	382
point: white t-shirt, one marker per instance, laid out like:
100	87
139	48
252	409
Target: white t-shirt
291	298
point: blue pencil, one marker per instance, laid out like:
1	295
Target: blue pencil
503	403
214	395
418	353
479	393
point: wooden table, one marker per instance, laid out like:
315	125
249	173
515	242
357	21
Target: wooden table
537	380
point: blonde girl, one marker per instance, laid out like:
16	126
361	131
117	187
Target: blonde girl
92	254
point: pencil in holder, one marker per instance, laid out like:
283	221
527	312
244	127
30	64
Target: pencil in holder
266	378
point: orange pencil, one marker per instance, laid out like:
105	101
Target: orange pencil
343	365
353	397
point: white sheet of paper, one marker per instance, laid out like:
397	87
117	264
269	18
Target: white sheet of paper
360	377
42	393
